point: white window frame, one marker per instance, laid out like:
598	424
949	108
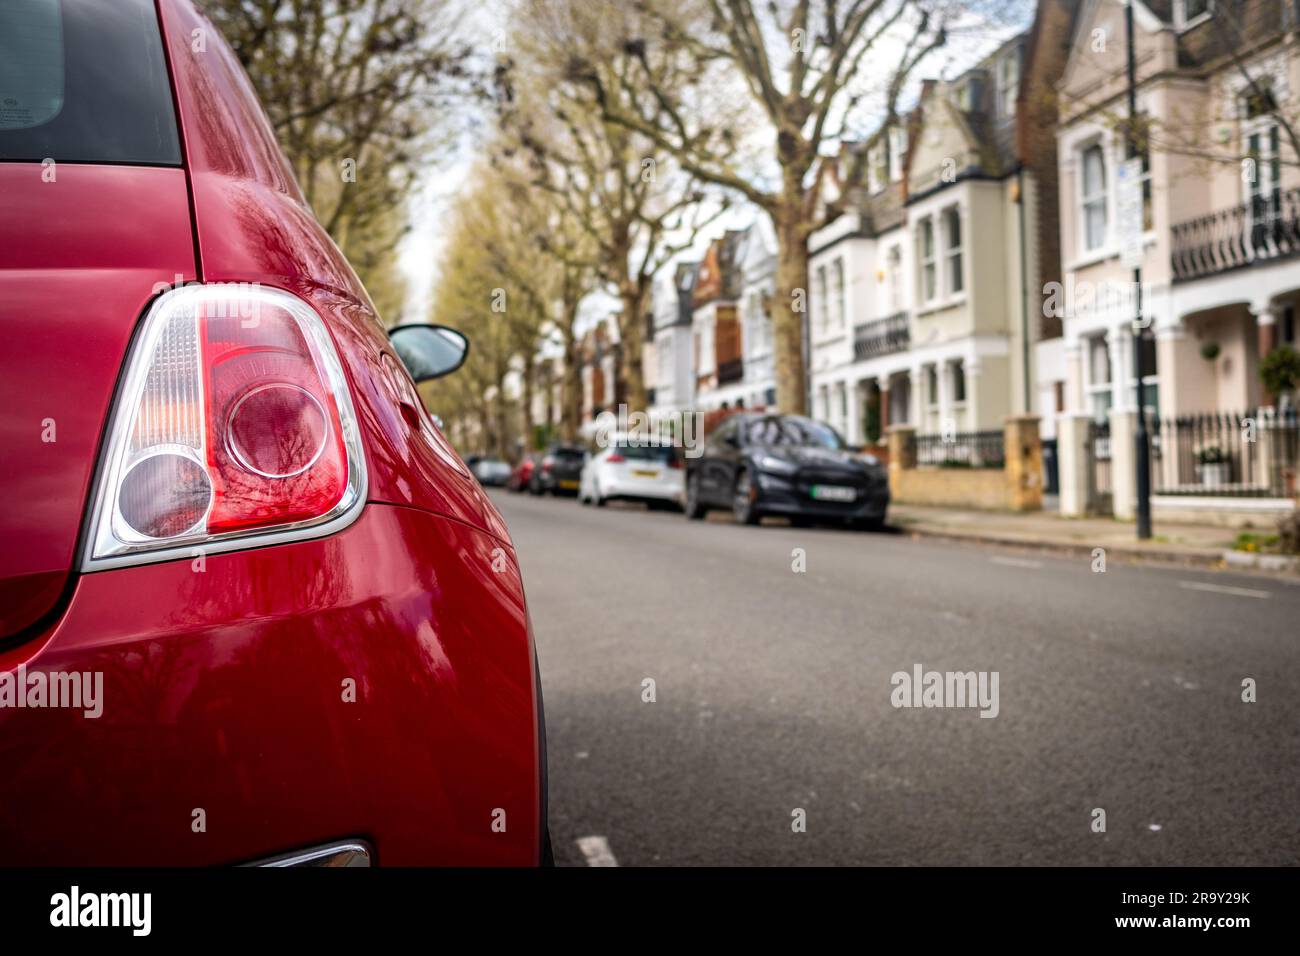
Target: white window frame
1085	199
877	160
839	292
956	371
952	251
894	276
927	262
1008	90
1092	387
823	302
1181	22
897	147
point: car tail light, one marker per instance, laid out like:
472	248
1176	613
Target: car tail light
674	462
615	459
547	463
234	421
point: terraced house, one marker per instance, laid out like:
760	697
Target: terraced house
1218	99
923	301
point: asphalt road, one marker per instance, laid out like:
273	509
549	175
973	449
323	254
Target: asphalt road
1119	690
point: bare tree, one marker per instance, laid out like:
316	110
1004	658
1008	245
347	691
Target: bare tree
638	208
353	88
805	65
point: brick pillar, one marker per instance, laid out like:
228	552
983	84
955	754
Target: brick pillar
1266	323
1074	461
902	456
1024	468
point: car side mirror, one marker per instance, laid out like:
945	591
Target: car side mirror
429	351
731	441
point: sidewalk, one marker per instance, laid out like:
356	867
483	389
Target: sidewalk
1200	545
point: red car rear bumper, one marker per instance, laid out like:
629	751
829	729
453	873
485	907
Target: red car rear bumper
225	689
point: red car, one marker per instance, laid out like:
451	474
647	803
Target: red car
521	476
253	607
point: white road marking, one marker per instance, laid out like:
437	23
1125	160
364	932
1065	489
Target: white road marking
596	850
1017	562
1224	589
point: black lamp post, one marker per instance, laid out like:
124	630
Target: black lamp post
1142	448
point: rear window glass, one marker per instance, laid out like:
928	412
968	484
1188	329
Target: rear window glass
660	453
567	453
84	81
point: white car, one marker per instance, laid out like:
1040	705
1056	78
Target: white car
631	470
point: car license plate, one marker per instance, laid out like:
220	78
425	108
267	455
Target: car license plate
568	484
833	493
645	473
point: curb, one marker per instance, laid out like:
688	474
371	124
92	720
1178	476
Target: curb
1201	557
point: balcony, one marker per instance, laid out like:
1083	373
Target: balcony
730	371
1265	229
881	337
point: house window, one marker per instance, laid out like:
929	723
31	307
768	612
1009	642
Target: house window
822	305
959	381
1098	388
894	267
928	265
952	250
1188	13
877	168
1264	183
897	146
1008	84
837	292
932	385
1094	197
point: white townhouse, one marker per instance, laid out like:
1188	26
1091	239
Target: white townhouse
757	266
923	308
670	377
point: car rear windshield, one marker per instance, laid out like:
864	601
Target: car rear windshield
84	81
567	453
660	453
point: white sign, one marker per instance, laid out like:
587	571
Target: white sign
1129	208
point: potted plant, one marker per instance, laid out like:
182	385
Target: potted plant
1279	371
1213	466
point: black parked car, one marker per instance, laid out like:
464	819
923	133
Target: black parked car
559	471
787	465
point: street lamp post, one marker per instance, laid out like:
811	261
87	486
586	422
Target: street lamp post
1142	449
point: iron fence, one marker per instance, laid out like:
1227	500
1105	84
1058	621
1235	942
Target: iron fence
1254	454
961	450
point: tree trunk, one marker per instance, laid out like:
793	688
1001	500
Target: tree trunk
632	334
790	311
571	389
526	413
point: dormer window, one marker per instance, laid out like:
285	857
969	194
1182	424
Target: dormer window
897	146
1189	13
1008	77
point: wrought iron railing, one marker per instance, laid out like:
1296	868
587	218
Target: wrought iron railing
961	450
880	337
1262	230
1255	454
732	370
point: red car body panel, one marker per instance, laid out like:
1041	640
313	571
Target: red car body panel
79	259
224	682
